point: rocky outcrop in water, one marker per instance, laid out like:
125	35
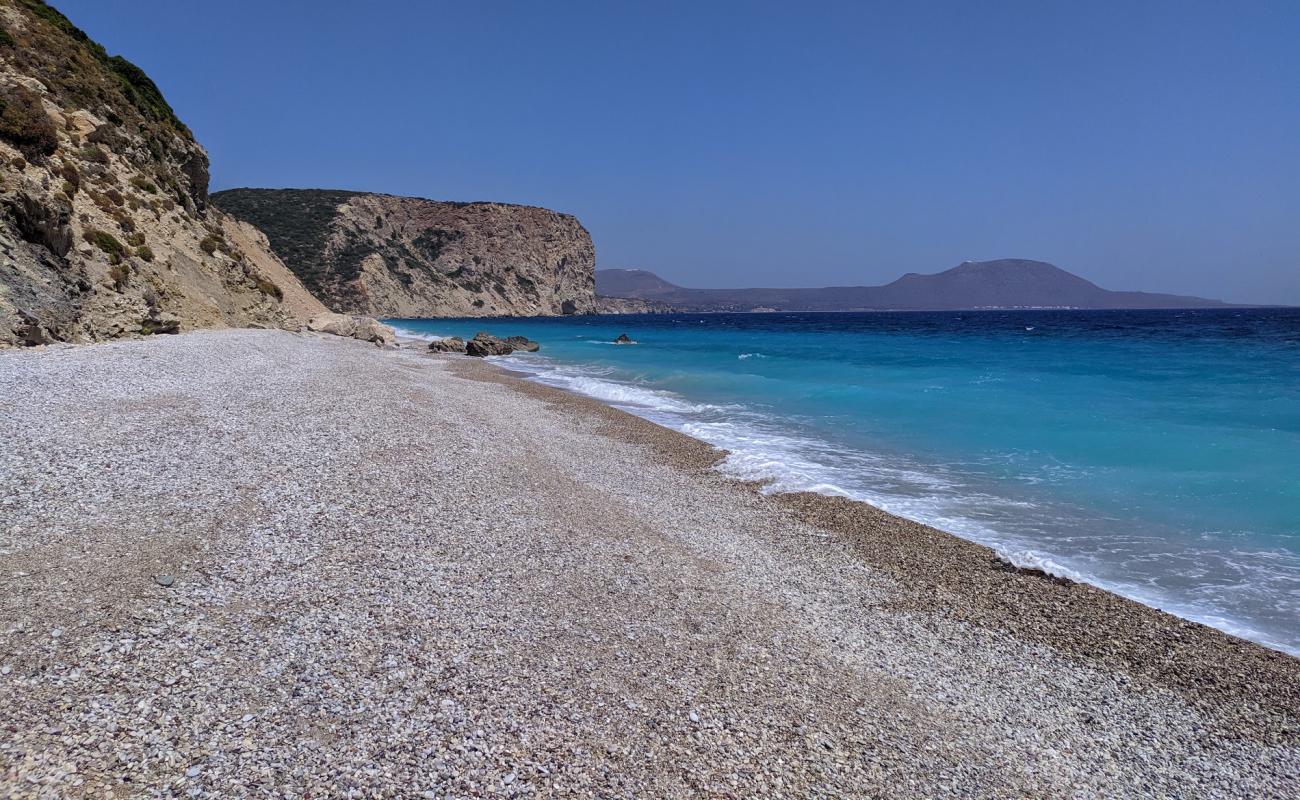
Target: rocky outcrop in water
485	344
105	225
408	257
523	344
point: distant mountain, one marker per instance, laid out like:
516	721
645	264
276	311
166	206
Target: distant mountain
1005	283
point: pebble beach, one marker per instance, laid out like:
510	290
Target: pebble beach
259	563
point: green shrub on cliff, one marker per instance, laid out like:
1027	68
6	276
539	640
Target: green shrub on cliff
94	153
107	242
268	288
120	274
143	184
25	125
143	92
70	174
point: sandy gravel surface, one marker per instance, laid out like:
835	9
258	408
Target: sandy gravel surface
391	579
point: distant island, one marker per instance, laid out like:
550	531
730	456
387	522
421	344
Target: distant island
1009	283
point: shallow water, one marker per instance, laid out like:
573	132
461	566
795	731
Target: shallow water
1155	453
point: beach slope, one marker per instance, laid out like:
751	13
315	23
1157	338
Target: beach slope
259	562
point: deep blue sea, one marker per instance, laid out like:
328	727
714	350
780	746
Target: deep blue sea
1154	453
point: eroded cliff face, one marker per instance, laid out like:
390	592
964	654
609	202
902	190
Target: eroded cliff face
105	225
631	305
408	257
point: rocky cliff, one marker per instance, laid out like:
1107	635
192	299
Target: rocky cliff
105	225
631	305
408	257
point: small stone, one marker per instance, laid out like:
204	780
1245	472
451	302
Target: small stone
164	580
509	779
693	717
193	772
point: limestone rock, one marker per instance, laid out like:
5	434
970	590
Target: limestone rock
372	330
364	328
623	338
334	324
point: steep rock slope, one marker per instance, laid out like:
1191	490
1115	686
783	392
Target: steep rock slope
105	225
409	257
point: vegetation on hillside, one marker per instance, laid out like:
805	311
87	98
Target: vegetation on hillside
297	223
82	72
25	125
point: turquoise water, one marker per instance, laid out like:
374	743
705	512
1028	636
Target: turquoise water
1154	453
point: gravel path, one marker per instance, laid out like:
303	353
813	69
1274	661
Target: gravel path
392	580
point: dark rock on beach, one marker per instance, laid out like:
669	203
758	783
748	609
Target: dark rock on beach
452	344
485	344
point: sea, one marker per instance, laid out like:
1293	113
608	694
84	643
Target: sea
1152	453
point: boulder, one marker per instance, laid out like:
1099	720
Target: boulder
522	343
485	344
370	329
623	338
451	344
366	329
336	324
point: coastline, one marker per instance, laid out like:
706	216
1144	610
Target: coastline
400	572
941	572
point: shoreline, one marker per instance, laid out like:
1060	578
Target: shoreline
976	585
395	573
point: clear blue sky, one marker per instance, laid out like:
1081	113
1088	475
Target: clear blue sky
1144	145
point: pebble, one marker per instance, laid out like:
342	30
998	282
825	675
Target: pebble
365	550
164	580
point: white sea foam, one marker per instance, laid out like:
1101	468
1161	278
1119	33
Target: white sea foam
407	333
744	356
774	452
589	382
1028	559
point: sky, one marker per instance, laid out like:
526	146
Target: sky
1145	146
